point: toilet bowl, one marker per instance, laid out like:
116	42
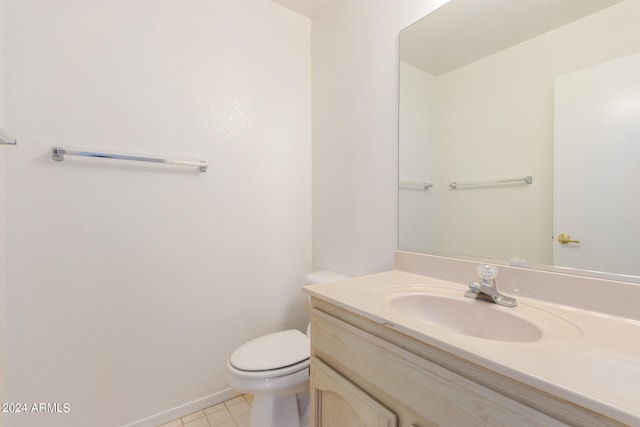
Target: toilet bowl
275	369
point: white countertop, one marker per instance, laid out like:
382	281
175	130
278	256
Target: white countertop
588	358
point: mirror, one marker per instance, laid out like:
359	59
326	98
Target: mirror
509	136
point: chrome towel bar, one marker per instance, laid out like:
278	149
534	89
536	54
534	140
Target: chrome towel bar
58	154
498	181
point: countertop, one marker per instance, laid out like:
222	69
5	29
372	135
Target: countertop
588	358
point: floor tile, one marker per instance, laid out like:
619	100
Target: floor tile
239	409
234	412
219	418
235	401
198	422
215	408
243	421
191	417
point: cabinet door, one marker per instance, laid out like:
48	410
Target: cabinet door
337	402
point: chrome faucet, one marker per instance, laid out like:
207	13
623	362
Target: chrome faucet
487	289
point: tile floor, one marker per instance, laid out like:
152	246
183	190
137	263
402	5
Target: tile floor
232	413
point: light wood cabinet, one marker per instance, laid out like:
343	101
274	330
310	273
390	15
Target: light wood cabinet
336	401
368	374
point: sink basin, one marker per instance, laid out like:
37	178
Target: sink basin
448	310
467	316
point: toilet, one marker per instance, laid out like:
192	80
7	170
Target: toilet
275	369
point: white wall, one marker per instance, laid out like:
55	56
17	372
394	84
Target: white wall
129	284
355	131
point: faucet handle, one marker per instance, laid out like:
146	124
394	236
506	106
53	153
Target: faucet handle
487	272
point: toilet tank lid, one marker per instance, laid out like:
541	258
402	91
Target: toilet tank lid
272	351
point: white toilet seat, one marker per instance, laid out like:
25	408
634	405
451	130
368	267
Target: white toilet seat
272	351
269	373
273	355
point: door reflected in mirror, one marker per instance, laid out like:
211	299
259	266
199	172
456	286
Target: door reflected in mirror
488	92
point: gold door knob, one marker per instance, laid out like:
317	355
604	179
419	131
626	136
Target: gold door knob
565	238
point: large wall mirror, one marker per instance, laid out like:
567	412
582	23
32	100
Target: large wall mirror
520	134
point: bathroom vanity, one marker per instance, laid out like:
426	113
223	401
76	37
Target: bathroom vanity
406	347
384	354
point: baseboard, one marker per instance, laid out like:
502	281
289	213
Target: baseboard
185	409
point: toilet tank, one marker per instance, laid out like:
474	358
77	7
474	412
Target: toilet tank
324	276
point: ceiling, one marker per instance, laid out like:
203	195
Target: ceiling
463	31
307	8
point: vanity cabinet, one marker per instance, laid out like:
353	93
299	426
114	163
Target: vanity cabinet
339	402
366	374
